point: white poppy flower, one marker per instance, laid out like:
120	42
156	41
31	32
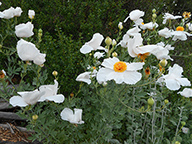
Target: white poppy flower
18	11
93	44
27	51
31	14
8	13
98	55
168	16
26	98
165	33
119	71
174	79
24	30
50	93
135	15
180	35
149	25
187	92
74	118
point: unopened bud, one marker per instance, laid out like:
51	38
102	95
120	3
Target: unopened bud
108	41
154	11
166	101
150	101
154	15
114	54
114	42
177	142
54	73
35	117
1	46
163	62
183	123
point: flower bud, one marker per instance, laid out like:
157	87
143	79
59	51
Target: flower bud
183	123
163	62
114	54
120	25
150	101
108	41
177	142
114	42
166	101
154	11
35	117
154	15
54	73
1	46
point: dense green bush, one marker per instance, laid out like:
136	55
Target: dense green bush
68	24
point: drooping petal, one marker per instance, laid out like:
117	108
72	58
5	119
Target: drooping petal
116	76
17	101
184	81
86	49
56	98
85	77
187	92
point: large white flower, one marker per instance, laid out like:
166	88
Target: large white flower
187	92
50	93
169	16
24	30
93	44
114	69
180	35
26	98
174	79
135	15
18	11
11	12
165	33
74	118
27	51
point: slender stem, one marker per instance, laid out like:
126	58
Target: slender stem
153	120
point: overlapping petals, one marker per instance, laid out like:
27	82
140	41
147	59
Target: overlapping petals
11	12
187	92
74	118
93	44
135	15
174	79
129	75
50	93
169	16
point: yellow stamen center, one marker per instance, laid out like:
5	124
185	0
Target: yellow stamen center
180	28
120	66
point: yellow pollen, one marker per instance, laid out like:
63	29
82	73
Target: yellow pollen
94	67
142	23
180	28
120	66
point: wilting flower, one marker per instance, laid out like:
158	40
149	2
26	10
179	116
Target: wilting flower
2	74
149	25
27	51
135	15
31	14
186	15
8	13
50	93
114	69
98	55
93	44
74	118
165	33
187	92
26	98
174	79
24	30
185	130
169	16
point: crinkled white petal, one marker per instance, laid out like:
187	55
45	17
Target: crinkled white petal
17	101
101	74
67	114
39	59
109	62
132	77
184	81
176	70
118	77
187	92
24	30
172	84
135	66
84	77
59	98
136	14
96	41
86	49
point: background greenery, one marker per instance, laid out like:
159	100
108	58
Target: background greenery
68	24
